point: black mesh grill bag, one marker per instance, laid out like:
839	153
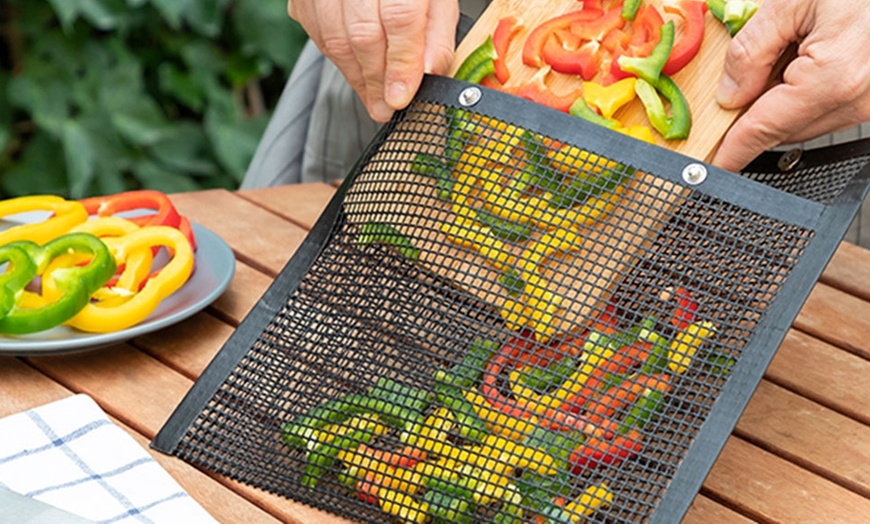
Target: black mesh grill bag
506	312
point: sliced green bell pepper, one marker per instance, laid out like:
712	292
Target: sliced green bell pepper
76	283
479	63
674	127
581	109
650	67
733	13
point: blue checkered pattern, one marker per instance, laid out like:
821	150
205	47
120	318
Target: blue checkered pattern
70	455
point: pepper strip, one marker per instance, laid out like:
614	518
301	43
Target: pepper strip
684	346
96	318
672	127
591	500
73	286
504	33
20	271
650	67
165	213
479	63
137	268
66	214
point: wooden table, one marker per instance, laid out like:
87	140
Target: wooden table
800	452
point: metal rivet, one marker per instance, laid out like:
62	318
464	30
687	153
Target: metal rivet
470	96
694	174
789	159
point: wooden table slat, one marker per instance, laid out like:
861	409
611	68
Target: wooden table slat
260	238
770	488
809	434
838	318
824	373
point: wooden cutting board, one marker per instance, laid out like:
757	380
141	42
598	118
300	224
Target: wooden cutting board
697	80
583	277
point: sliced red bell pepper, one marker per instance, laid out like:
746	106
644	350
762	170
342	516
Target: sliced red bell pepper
504	33
534	44
641	40
597	28
691	34
537	90
567	53
164	214
649	67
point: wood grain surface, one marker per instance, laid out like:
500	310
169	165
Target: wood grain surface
697	80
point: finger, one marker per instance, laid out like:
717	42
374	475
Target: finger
335	43
405	27
366	33
770	121
303	12
440	36
755	49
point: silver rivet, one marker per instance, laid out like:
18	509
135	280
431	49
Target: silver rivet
694	174
470	96
789	159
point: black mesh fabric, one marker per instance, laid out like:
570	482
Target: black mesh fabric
579	273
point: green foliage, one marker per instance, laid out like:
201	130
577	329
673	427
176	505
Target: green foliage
101	96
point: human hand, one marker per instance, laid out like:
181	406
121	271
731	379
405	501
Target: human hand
825	88
382	47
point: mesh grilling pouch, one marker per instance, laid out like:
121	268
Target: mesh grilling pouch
507	313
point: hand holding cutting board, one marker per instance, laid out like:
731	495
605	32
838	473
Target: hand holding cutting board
825	88
384	48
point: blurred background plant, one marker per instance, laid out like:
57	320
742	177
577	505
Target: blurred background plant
101	96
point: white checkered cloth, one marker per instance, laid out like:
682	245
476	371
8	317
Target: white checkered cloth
70	455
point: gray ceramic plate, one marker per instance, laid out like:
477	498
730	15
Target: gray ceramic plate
215	265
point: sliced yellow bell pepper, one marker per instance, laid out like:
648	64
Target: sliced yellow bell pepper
609	99
99	318
638	131
65	215
593	498
684	346
497	421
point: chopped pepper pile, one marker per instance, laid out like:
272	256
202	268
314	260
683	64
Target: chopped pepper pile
87	267
509	430
604	42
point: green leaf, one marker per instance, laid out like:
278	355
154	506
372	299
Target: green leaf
47	102
98	14
181	85
68	11
39	168
172	10
109	181
140	121
5	115
265	29
206	16
153	176
79	157
233	140
185	148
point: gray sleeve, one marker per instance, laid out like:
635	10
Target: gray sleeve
318	129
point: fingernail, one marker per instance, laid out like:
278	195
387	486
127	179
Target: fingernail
726	92
397	95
